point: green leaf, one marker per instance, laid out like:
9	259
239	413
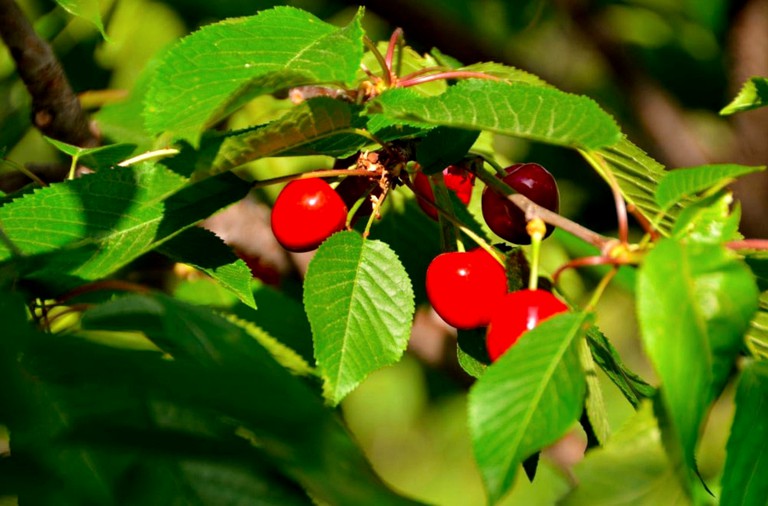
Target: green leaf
686	182
471	351
634	388
359	302
636	455
101	157
709	220
757	335
206	251
505	72
527	399
221	370
90	10
531	112
637	176
442	147
308	122
218	68
753	94
93	225
747	447
694	305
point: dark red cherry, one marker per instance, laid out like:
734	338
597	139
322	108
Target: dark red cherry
516	313
463	288
307	212
506	219
458	180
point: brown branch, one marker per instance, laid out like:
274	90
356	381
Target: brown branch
56	111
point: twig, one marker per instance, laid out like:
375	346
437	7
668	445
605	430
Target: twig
56	111
316	173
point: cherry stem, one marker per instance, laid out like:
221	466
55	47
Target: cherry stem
149	155
357	205
591	261
600	288
397	36
380	59
426	70
645	224
316	173
598	163
21	168
490	161
450	74
375	212
754	244
536	229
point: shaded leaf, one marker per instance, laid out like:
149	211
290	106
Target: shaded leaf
694	305
442	147
532	112
308	122
218	68
633	387
527	399
359	301
686	182
753	94
208	253
747	447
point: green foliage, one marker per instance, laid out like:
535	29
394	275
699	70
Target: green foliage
753	95
527	400
682	183
360	304
90	10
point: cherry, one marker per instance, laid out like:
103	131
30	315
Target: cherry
516	313
463	288
505	218
458	180
307	212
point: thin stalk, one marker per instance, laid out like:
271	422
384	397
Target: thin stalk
380	59
149	155
397	35
754	244
376	209
451	74
21	168
598	163
601	288
490	161
536	228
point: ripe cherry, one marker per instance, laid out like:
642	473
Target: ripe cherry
458	180
307	212
505	218
516	313
463	288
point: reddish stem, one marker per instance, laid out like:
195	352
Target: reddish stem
450	74
644	223
316	173
106	284
757	244
393	40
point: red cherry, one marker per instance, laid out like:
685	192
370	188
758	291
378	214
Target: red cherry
505	218
465	287
516	313
306	213
458	180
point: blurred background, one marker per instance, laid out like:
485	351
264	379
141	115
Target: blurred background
663	68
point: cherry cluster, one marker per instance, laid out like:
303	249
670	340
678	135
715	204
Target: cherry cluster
469	289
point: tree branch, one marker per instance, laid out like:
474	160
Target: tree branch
56	111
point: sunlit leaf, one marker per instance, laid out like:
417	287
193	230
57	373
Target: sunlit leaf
522	110
748	444
89	10
757	335
359	302
753	95
686	182
218	68
695	303
527	399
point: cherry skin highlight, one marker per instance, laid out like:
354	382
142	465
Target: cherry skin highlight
506	219
463	288
457	180
517	313
306	213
